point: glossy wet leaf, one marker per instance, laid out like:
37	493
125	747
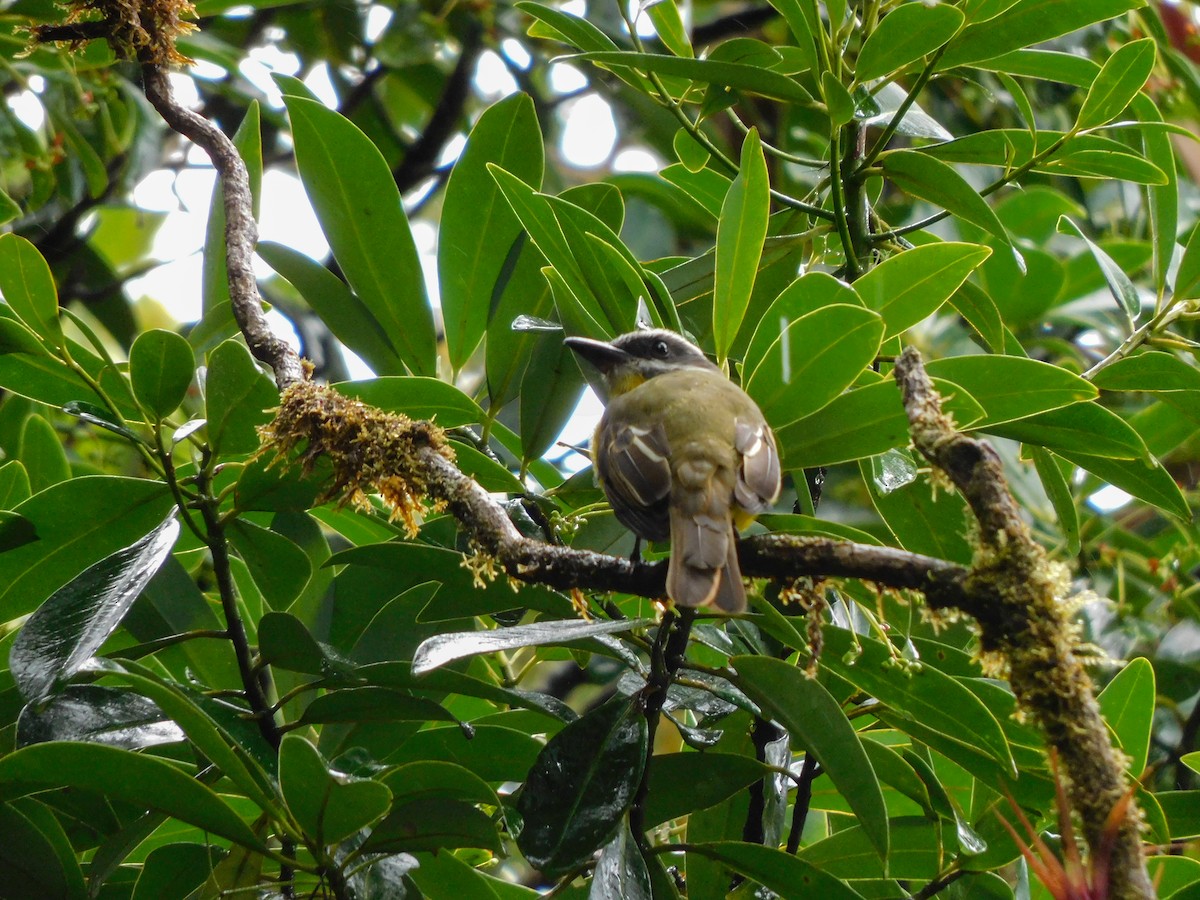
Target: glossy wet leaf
1120	79
99	715
359	207
237	399
741	230
329	807
581	785
815	721
94	414
477	226
1127	704
441	649
161	366
122	775
813	359
906	34
909	286
70	627
621	872
28	287
788	875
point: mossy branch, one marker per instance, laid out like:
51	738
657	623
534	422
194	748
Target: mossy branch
1016	596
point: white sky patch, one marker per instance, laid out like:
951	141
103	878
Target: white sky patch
492	78
378	19
566	78
579	430
516	53
287	217
28	108
184	90
318	82
589	132
636	159
1108	499
258	65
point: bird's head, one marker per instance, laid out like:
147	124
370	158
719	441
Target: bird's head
629	360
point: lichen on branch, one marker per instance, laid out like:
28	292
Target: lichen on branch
144	31
370	451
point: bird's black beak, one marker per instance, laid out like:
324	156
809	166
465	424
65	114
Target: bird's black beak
601	354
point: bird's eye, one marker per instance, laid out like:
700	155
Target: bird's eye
661	349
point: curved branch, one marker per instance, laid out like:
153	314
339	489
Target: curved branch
1021	615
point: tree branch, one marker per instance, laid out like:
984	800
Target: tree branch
1017	600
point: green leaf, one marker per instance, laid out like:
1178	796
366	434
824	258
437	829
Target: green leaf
43	455
437	651
740	76
813	360
916	852
526	292
176	868
328	808
1127	704
1119	284
328	296
14	484
372	704
492	752
581	785
1054	481
1187	276
558	25
477	226
278	566
120	512
144	781
237	399
214	283
9	209
1182	809
908	287
921	518
1083	427
787	875
740	234
908	33
1026	23
1105	165
359	207
838	101
161	366
70	627
34	868
815	719
926	695
681	783
28	287
417	398
550	391
1151	371
433	825
1012	387
862	422
1119	81
931	179
101	715
621	872
807	294
1151	483
706	187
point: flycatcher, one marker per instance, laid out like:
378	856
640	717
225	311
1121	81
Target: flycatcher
681	452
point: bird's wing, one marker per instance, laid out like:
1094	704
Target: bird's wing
635	471
758	477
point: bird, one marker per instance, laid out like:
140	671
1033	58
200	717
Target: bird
681	452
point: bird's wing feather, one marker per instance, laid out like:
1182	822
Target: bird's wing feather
758	480
635	469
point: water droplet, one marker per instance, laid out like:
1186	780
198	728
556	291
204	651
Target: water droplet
533	323
968	839
893	470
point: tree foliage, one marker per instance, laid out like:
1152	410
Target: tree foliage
309	670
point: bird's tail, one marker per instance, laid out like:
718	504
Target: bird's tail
704	567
